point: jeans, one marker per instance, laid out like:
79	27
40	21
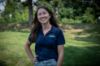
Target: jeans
50	62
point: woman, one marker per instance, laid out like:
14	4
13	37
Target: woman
48	38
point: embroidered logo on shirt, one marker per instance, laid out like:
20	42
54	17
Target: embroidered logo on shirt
52	36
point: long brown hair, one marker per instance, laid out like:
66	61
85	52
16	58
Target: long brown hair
36	24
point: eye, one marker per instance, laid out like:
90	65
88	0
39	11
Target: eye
39	13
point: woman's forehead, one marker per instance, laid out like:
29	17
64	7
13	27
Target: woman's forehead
42	10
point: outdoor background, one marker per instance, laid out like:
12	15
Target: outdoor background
79	19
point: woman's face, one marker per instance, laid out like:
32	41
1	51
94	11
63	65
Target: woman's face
43	16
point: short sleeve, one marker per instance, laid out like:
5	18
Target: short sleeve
60	38
30	38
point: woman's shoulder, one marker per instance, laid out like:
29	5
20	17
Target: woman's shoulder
57	29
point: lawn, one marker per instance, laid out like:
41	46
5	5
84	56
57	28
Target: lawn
81	49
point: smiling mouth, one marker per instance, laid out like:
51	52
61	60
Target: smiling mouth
43	18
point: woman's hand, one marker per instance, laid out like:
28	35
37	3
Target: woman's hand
34	60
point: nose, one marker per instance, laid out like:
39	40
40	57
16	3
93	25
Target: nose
42	15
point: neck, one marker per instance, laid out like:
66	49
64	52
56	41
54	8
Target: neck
46	25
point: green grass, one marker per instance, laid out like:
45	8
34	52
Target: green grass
81	49
12	51
77	52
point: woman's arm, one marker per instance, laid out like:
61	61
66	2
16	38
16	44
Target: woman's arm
60	55
28	51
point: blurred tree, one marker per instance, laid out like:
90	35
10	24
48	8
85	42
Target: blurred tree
67	9
30	11
97	8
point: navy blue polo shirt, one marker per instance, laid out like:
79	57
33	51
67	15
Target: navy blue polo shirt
46	46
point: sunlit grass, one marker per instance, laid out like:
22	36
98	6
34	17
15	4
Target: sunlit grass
77	52
12	48
80	49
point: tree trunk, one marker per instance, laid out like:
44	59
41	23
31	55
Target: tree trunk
30	11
